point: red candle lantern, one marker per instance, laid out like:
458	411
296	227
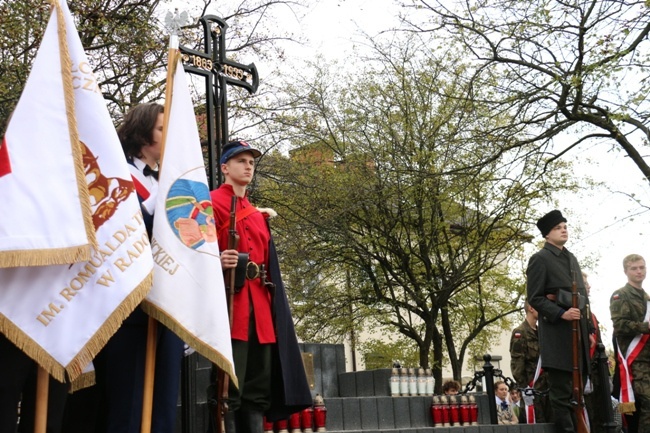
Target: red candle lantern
454	411
320	414
444	402
268	426
473	410
307	416
464	411
436	411
294	422
281	426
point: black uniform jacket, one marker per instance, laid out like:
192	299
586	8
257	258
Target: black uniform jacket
551	271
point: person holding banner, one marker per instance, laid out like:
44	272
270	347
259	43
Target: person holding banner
119	367
267	359
630	315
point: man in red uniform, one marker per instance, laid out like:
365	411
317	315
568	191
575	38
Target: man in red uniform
267	359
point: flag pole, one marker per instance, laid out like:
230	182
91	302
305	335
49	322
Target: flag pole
152	326
42	391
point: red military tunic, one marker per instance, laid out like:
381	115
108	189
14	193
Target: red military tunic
254	239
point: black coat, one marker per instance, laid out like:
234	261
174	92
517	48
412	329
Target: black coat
289	389
551	271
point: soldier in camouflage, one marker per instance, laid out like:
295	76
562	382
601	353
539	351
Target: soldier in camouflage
524	356
629	311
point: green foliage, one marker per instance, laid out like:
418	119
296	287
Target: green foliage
382	354
396	203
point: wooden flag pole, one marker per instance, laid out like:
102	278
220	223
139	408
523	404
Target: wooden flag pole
152	328
42	392
149	373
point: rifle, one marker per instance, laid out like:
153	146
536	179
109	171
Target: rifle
222	377
578	387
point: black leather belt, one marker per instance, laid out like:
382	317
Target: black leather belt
252	271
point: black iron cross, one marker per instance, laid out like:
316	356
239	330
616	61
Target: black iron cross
219	72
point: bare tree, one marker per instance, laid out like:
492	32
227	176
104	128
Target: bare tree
573	70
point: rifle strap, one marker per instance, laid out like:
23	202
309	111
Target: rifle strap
239	216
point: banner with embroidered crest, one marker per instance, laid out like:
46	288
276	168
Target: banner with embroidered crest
46	216
62	315
188	294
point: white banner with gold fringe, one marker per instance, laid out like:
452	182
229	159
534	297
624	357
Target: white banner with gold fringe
62	315
188	294
45	217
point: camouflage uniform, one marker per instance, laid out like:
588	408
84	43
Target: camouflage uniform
524	353
628	308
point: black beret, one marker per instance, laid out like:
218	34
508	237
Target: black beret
546	223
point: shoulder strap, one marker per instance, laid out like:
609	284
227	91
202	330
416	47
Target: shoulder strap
239	216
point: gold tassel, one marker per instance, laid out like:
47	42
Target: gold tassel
626	408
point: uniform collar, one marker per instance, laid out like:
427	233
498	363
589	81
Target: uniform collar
555	250
140	164
228	187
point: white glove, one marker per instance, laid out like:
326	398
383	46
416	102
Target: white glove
187	350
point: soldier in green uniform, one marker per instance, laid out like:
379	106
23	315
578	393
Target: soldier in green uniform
524	357
550	275
629	310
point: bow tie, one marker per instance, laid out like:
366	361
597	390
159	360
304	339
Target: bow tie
147	171
504	405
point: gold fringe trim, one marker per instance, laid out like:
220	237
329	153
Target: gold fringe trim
112	324
627	408
53	256
68	91
86	380
31	348
90	350
204	349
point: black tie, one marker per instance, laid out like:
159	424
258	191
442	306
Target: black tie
149	172
504	405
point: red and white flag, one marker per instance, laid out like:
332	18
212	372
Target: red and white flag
62	315
45	216
188	294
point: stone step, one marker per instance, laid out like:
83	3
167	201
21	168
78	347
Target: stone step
370	414
523	428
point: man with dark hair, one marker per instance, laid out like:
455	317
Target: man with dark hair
551	273
451	387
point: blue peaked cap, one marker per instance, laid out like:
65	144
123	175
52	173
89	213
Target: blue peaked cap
235	148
